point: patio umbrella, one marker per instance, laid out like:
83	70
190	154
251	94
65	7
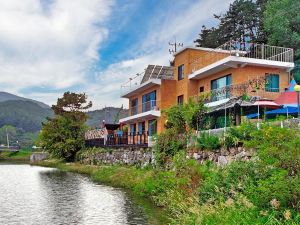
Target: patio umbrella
267	104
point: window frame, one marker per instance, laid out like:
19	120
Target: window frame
180	72
270	88
180	99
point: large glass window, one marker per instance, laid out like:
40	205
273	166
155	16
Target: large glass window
152	127
272	83
148	101
134	106
219	88
181	72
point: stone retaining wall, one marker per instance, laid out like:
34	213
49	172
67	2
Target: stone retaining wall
143	157
223	156
138	156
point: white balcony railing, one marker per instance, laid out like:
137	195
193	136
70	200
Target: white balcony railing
244	49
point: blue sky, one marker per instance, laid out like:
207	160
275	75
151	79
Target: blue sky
51	46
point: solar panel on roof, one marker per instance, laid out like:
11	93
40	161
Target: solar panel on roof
157	72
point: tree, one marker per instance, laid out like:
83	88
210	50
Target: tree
282	23
63	135
194	111
175	119
188	116
242	22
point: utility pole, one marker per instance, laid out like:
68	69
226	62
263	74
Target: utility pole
174	46
7	140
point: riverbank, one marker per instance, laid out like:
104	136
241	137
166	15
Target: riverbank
23	156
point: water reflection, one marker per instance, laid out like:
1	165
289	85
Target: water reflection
42	196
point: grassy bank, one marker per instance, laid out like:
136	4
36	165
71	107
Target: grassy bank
22	155
242	193
263	190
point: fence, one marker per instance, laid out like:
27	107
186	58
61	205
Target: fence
139	139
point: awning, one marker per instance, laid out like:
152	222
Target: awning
286	110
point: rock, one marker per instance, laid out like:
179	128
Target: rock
38	156
240	155
222	161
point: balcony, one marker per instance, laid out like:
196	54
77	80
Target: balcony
239	54
252	88
146	110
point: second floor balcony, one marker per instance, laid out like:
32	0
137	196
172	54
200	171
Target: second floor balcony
145	111
152	105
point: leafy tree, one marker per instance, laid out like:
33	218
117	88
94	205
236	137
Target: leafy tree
175	118
243	22
282	22
63	136
194	111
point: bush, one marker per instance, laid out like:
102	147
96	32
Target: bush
279	147
167	144
236	136
207	142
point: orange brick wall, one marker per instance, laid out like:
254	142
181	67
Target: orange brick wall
169	90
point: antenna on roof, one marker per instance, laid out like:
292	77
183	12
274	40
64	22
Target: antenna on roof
174	46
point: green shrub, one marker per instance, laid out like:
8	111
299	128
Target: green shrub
167	144
236	136
207	142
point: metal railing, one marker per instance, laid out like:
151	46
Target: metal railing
244	49
120	140
144	107
253	88
132	83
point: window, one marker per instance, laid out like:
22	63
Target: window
141	128
219	88
180	100
152	127
132	129
272	83
181	72
134	106
148	101
201	89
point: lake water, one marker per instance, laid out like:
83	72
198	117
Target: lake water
32	195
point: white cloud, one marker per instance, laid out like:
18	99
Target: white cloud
49	43
153	49
52	44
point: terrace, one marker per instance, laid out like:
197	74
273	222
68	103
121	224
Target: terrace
234	54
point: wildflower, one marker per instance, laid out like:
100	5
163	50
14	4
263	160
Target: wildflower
287	214
275	203
264	213
229	202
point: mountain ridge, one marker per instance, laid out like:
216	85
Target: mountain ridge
5	96
28	114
